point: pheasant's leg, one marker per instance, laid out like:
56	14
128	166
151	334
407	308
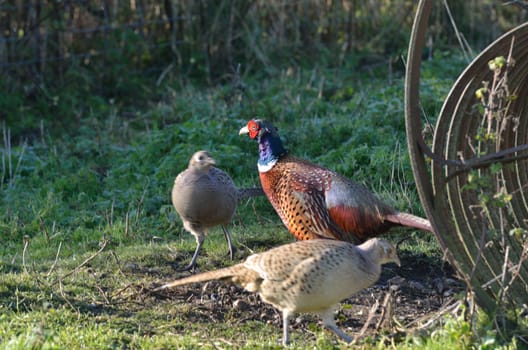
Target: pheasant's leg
232	249
285	322
329	322
199	241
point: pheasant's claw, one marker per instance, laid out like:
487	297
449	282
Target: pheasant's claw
190	268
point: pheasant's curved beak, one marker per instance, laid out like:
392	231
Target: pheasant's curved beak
244	131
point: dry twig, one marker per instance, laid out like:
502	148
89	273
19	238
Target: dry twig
56	259
90	258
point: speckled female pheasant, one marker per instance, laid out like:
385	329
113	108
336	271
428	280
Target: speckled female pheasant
312	276
204	197
315	202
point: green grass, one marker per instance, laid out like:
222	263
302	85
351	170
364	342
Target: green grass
110	180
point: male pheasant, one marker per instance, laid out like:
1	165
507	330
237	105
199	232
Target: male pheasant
204	197
308	276
315	202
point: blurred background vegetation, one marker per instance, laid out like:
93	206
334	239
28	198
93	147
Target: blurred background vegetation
103	102
59	57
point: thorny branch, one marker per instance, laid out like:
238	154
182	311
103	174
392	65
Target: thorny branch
493	197
493	105
519	3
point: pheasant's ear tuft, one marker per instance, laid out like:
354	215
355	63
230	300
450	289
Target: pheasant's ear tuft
268	127
271	129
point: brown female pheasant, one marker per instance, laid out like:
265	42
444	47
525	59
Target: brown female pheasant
204	197
312	276
315	202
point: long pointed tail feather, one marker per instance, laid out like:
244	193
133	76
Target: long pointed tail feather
249	192
406	219
225	273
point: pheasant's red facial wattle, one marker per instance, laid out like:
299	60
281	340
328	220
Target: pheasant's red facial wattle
253	128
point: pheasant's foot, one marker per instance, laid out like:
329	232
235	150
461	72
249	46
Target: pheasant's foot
191	267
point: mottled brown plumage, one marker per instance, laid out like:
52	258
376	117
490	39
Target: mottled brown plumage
307	277
204	197
316	202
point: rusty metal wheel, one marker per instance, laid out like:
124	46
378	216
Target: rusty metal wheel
483	229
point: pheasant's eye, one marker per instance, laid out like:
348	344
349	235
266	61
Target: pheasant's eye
253	126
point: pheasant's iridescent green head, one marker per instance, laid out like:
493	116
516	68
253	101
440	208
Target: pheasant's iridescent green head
270	144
